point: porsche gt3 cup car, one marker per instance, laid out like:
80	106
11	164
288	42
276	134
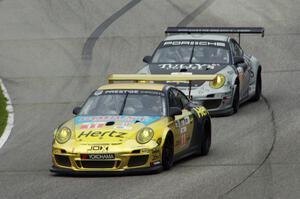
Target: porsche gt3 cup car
191	51
132	127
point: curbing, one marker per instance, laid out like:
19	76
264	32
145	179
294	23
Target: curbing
10	118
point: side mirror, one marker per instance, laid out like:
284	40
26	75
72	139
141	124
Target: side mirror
147	59
175	111
76	110
238	60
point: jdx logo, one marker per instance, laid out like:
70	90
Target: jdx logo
98	148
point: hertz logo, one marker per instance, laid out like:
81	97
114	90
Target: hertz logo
201	111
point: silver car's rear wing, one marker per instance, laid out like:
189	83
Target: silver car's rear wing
216	30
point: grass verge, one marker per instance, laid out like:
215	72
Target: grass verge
3	112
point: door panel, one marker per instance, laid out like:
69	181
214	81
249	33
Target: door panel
184	128
244	77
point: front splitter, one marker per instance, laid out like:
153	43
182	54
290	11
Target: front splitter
138	171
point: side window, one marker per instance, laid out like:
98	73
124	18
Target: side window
174	99
238	50
184	100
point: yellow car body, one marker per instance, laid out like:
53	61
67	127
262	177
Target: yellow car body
112	143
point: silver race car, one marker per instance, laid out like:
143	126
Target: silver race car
194	50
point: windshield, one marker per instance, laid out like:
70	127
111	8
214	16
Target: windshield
204	54
125	102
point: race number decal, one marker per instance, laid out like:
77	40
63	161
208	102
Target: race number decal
183	131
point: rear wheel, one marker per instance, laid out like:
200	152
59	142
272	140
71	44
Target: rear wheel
236	99
257	94
168	153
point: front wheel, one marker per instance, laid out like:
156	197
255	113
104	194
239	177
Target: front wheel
236	99
257	94
205	146
168	153
206	142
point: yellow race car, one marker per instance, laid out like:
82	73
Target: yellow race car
132	127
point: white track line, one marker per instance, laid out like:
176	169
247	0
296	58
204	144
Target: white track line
10	118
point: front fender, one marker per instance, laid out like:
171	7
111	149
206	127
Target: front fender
164	135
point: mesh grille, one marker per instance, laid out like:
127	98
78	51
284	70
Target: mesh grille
135	161
62	160
97	164
211	104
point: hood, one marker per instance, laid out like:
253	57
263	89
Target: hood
110	128
205	69
192	68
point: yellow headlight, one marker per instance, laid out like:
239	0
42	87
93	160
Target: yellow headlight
63	135
218	82
144	135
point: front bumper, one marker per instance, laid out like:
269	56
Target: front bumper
216	106
218	102
149	170
135	161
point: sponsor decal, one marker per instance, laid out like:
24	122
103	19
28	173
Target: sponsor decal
188	66
127	120
141	92
121	92
186	120
98	92
183	139
96	125
101	148
124	127
97	156
100	134
194	43
182	122
200	111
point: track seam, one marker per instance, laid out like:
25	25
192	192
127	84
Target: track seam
10	117
274	129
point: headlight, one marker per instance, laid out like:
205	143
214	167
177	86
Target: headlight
218	82
63	135
144	135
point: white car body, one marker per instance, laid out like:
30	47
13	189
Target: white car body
218	101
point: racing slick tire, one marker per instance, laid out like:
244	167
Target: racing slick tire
206	142
258	86
168	152
236	99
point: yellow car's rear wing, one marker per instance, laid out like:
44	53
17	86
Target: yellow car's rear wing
146	77
167	78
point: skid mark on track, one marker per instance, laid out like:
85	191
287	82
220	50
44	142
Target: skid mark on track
183	12
87	51
274	131
190	17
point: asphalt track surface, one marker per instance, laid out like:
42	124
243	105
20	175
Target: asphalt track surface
53	53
